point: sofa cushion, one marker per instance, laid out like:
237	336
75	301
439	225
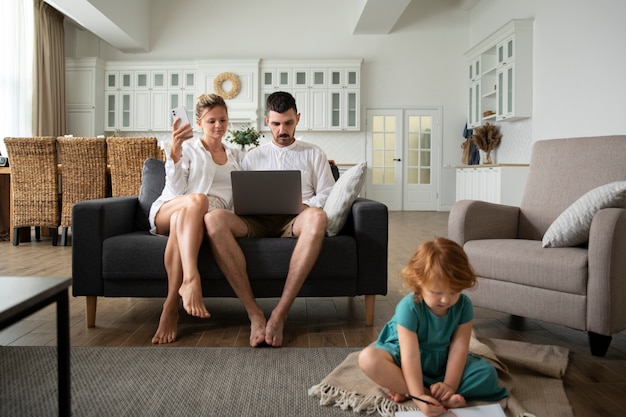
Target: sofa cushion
341	197
152	184
525	262
571	228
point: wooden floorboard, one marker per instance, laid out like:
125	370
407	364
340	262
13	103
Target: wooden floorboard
595	386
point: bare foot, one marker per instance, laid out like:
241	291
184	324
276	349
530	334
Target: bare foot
455	401
257	331
394	396
168	327
191	293
274	331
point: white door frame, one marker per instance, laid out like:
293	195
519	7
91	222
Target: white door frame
370	189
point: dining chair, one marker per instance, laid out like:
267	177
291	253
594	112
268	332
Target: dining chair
34	185
84	174
125	158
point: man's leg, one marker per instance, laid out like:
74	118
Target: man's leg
168	323
310	229
223	227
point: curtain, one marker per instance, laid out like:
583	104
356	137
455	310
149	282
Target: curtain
16	69
48	71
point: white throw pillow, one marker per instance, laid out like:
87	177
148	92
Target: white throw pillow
343	194
571	228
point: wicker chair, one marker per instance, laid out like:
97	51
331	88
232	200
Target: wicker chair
126	157
34	185
84	174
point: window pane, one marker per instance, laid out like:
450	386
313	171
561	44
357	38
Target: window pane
377	140
413	140
425	176
412	158
377	158
425	141
425	159
378	123
377	175
390	140
390	123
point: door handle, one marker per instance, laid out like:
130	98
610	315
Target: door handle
397	159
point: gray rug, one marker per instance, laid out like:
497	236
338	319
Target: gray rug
170	381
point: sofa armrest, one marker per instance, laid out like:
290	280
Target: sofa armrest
92	222
475	220
370	224
606	286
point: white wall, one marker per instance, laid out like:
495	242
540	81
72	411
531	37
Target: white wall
579	63
579	60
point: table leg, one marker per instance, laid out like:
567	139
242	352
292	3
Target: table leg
63	353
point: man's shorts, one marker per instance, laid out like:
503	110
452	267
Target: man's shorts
279	225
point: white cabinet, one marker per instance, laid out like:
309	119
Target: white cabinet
84	89
502	184
118	100
344	109
327	93
500	75
140	99
182	90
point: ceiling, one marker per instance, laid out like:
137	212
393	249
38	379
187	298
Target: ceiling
126	24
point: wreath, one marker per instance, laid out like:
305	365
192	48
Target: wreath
219	81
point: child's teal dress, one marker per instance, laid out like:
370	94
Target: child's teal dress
479	380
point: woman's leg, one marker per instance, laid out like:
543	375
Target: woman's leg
168	323
190	210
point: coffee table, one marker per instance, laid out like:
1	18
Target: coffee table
22	296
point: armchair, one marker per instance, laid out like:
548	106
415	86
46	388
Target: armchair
581	286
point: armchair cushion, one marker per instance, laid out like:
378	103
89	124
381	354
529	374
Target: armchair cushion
152	184
343	194
571	228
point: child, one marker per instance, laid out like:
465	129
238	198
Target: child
423	351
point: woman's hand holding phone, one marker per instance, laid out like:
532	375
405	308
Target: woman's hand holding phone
181	131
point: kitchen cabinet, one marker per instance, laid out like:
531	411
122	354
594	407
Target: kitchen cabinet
498	183
500	75
344	109
84	91
139	99
118	100
327	93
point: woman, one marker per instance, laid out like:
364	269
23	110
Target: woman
197	181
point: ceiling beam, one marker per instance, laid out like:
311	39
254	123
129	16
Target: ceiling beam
378	17
123	24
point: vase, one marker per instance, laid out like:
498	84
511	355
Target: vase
488	160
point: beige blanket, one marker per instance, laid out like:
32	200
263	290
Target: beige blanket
531	373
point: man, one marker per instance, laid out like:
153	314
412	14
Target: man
309	226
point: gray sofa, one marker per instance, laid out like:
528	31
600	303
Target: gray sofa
581	285
114	255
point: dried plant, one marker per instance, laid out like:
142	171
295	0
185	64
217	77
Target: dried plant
487	137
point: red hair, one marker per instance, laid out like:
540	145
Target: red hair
439	260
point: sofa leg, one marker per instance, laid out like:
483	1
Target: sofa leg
599	343
90	308
370	305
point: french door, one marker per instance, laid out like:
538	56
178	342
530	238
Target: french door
403	157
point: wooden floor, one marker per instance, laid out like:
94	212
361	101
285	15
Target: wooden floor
595	386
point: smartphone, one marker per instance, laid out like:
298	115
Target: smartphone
180	112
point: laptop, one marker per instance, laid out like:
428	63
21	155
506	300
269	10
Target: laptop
266	192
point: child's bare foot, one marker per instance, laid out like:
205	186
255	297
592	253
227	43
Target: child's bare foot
191	293
168	327
274	331
455	401
257	331
394	396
